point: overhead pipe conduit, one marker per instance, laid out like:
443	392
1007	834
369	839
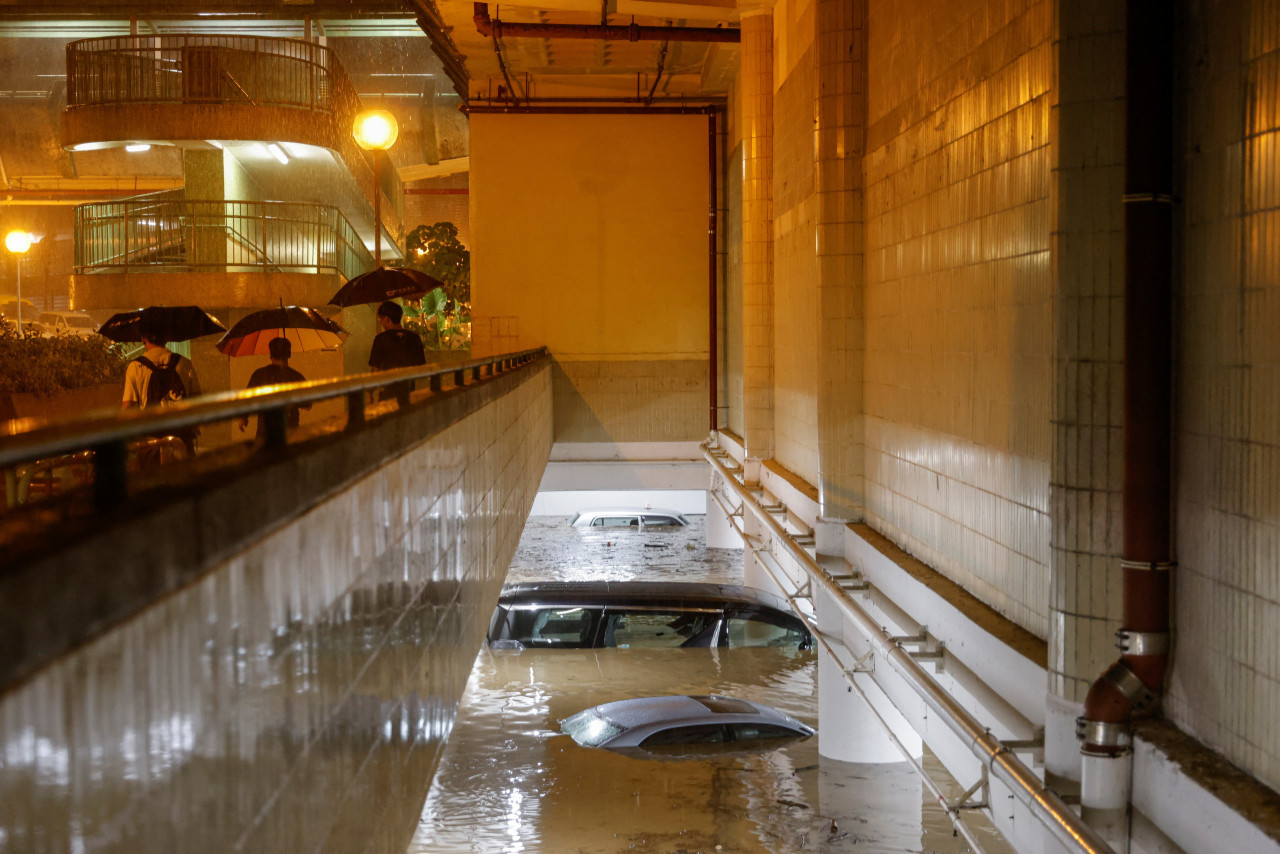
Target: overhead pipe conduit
1001	763
610	32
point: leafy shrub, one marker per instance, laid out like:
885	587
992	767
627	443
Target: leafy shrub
46	366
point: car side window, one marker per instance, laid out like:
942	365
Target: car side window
759	732
696	734
568	628
758	629
614	522
651	521
655	629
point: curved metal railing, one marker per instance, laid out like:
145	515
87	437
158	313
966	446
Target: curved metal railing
108	434
188	68
162	232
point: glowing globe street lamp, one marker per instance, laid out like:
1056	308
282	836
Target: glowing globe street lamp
18	242
376	131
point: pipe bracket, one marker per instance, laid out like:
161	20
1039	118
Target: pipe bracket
1142	643
1148	566
1141	698
1101	734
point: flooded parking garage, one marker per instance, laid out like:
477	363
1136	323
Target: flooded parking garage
509	781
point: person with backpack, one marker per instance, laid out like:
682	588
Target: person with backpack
395	347
159	376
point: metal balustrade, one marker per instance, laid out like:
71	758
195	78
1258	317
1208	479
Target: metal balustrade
207	69
162	232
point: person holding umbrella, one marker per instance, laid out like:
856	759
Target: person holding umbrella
395	347
159	376
274	374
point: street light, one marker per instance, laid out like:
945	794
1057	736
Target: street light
376	131
18	242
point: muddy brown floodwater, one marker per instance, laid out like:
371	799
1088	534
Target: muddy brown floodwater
509	781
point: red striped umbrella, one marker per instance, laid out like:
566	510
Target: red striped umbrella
306	329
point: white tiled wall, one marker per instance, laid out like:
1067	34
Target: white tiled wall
295	698
1225	681
958	293
1085	598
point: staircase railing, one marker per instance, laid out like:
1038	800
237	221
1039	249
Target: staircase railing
160	233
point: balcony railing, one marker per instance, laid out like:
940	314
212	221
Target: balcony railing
164	233
207	69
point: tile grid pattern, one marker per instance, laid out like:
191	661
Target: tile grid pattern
757	232
1085	494
1225	681
296	698
958	294
840	142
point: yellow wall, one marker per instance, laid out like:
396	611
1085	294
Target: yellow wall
589	235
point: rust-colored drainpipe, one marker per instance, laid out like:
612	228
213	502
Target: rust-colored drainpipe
1132	685
612	32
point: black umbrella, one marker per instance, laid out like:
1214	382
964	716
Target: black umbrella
176	322
383	284
305	329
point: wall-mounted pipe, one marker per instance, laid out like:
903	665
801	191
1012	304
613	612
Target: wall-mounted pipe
611	32
1056	817
1133	684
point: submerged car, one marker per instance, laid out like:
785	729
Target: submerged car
642	614
671	725
634	518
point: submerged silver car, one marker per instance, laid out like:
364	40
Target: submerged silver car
676	724
635	519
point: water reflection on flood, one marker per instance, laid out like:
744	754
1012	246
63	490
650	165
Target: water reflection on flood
509	781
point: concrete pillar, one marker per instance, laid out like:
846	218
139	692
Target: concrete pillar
753	572
203	175
848	729
720	533
840	138
757	228
1086	481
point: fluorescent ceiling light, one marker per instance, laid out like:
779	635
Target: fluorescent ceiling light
138	146
277	153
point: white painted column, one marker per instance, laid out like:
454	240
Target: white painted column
720	531
848	729
753	572
1104	796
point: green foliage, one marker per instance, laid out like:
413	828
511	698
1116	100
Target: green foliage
443	318
436	251
441	323
46	366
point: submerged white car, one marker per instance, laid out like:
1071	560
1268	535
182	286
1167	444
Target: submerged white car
636	519
670	725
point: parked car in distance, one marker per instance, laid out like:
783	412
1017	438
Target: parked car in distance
680	724
636	519
68	323
642	614
31	328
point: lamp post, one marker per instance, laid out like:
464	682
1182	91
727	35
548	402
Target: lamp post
376	131
18	242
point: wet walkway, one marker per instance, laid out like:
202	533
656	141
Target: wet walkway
509	781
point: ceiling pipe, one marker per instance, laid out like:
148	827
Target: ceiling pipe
1133	685
612	32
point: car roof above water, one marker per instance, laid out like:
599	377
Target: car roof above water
690	593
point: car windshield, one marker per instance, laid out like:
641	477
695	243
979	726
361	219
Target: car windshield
589	728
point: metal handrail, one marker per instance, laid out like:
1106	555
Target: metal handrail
1062	823
305	236
106	432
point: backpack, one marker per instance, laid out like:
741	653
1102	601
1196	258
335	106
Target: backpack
165	386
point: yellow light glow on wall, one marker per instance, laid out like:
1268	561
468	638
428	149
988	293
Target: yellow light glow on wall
376	130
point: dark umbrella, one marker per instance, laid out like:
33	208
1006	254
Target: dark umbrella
176	322
383	284
305	328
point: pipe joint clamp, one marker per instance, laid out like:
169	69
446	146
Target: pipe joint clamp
1109	737
1141	698
1142	643
1148	565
